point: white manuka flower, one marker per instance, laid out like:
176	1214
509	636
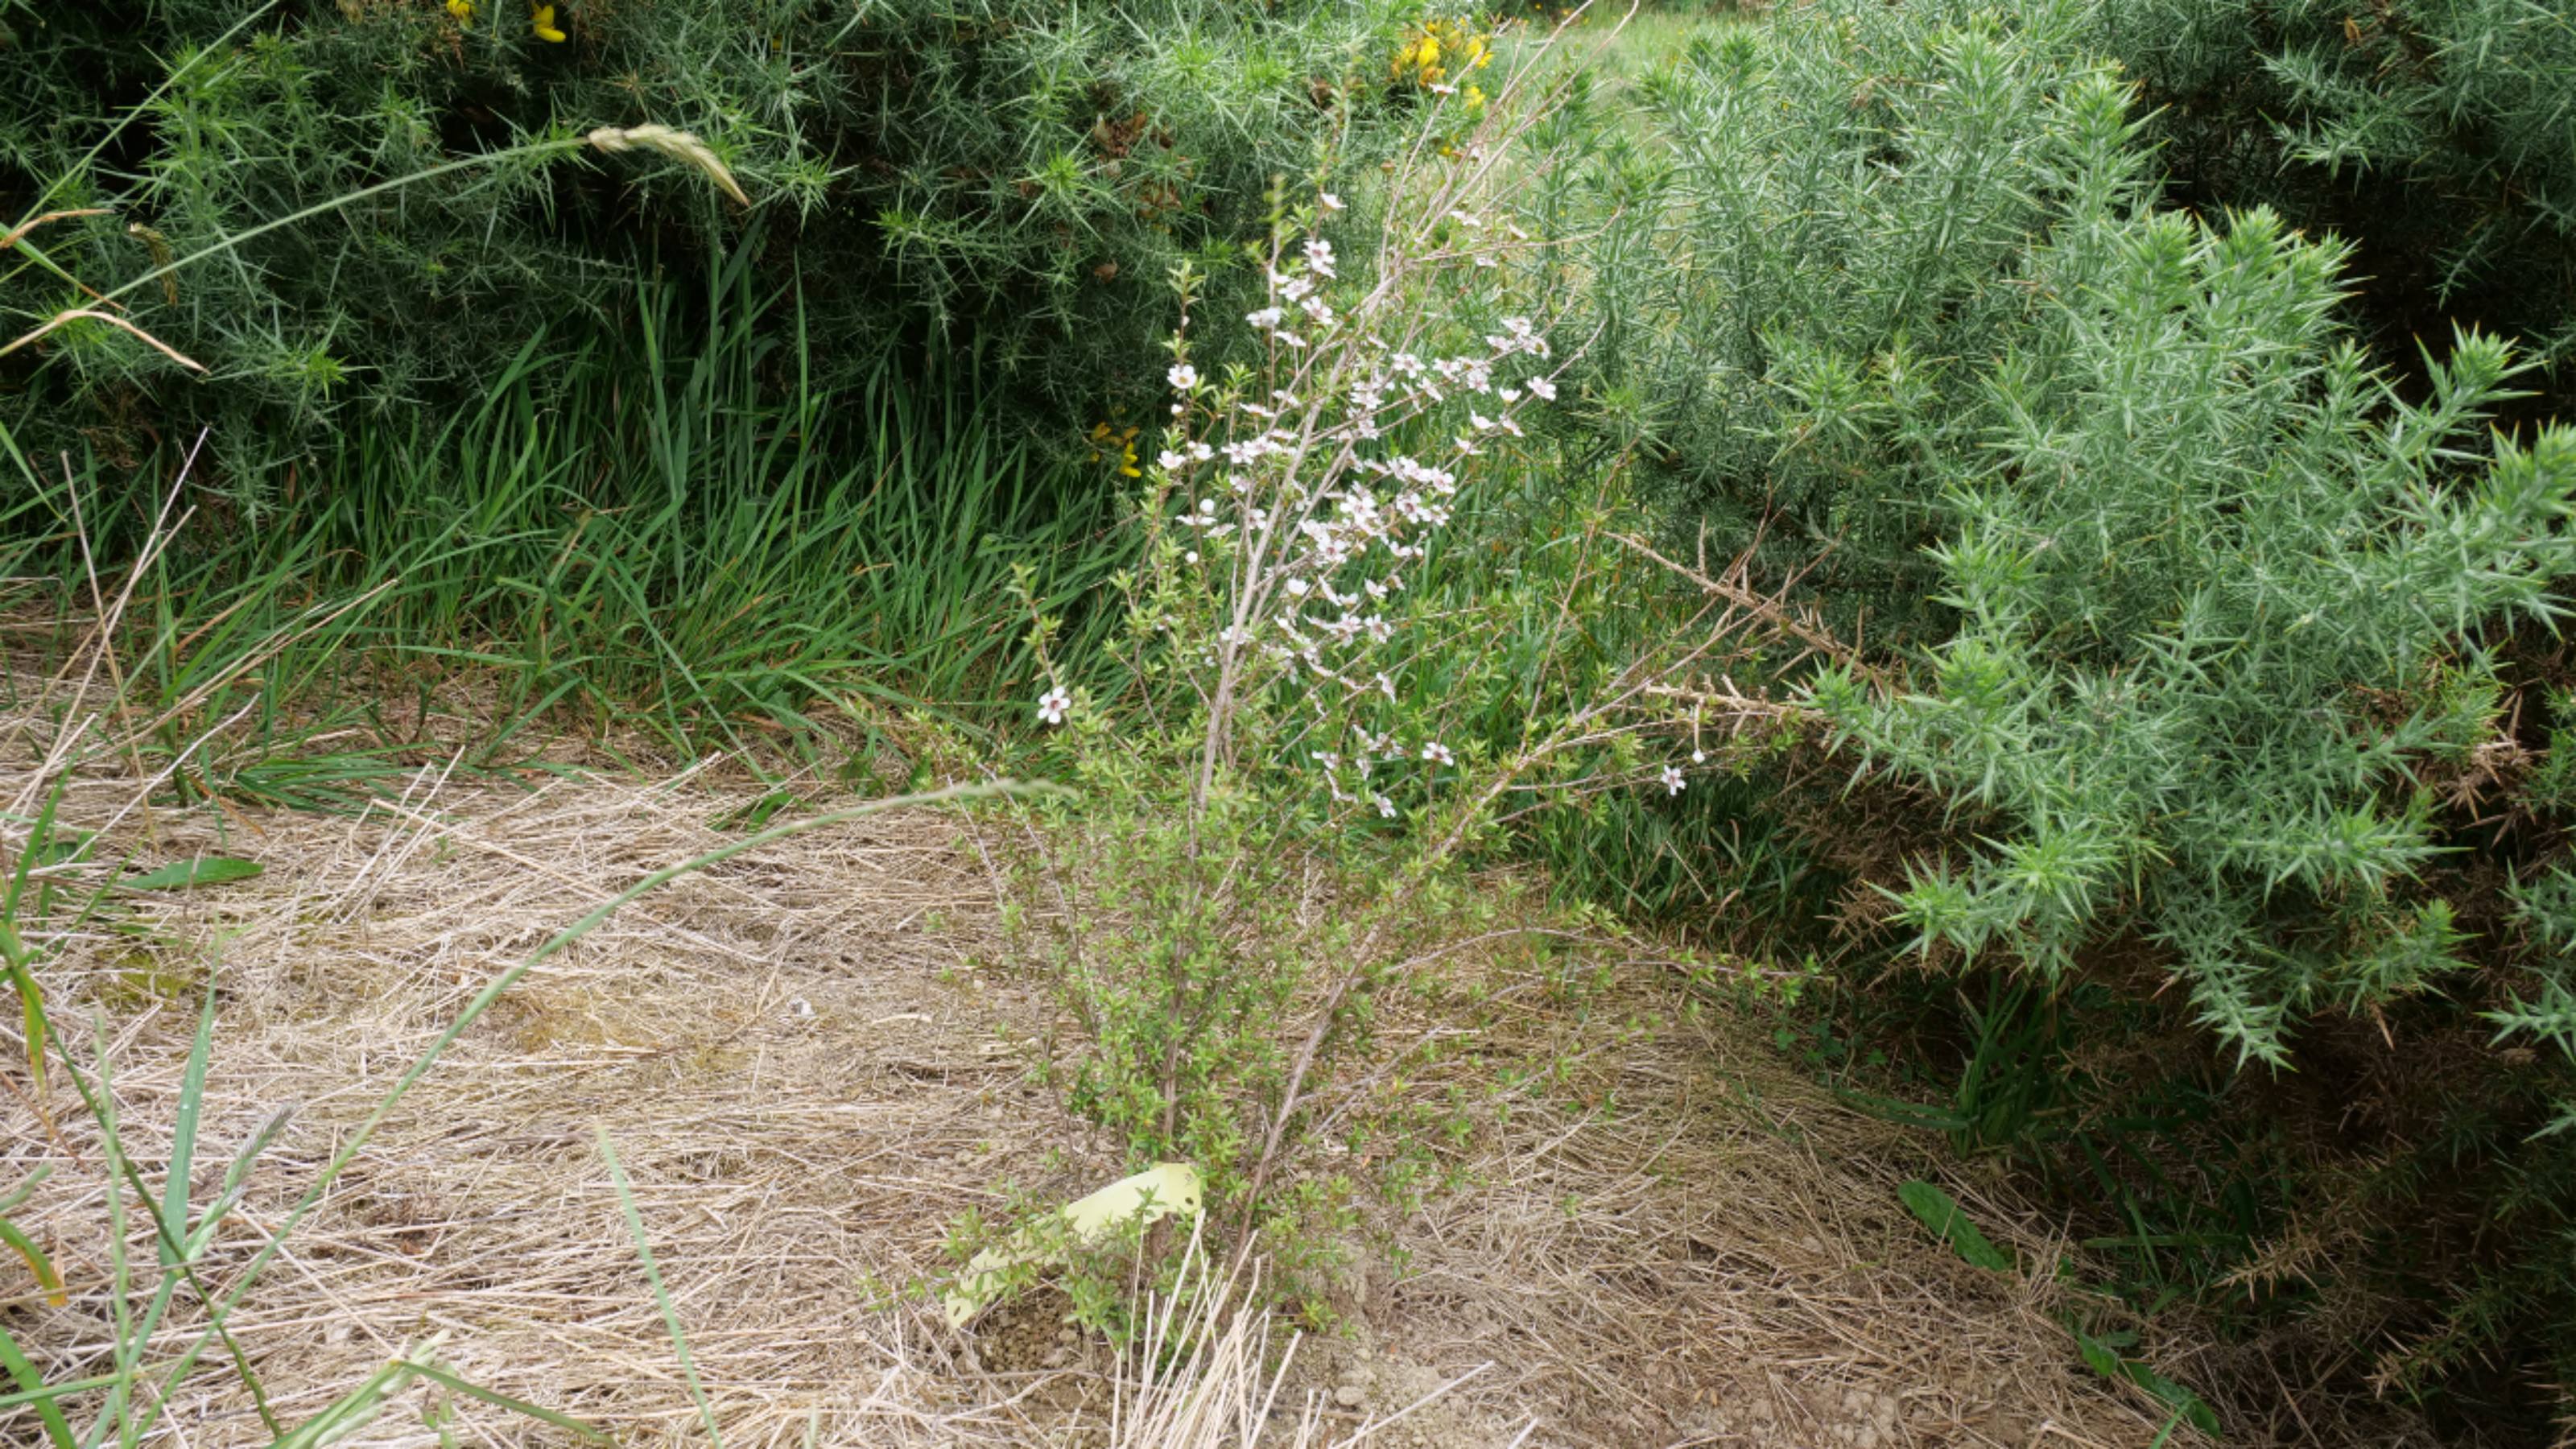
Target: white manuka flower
1053	704
1183	376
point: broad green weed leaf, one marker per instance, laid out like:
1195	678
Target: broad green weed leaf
1941	1213
204	871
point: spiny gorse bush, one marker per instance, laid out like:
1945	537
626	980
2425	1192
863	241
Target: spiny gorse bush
2174	616
1819	229
2218	614
2440	135
1013	178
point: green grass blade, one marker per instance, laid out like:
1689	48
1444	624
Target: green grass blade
521	1407
183	1135
101	1106
37	1263
661	1296
48	1393
33	1390
351	1411
120	1278
26	1188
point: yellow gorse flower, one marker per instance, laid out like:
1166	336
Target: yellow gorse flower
463	10
541	21
1443	46
1117	447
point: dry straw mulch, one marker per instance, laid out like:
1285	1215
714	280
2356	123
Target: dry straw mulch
806	1059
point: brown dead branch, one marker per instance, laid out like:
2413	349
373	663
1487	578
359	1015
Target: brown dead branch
1774	611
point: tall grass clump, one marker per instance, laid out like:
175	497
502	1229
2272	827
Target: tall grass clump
669	523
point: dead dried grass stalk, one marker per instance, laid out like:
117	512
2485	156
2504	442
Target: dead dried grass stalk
1201	1376
492	992
18	233
804	1084
69	315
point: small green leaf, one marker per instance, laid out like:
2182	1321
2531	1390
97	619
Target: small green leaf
2103	1357
758	813
203	871
37	1262
1940	1212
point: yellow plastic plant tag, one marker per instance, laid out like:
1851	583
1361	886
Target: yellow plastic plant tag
1150	1196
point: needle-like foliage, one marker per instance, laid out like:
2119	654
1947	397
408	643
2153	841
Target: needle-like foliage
2438	134
2183	625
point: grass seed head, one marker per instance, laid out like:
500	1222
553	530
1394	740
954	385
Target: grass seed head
678	145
